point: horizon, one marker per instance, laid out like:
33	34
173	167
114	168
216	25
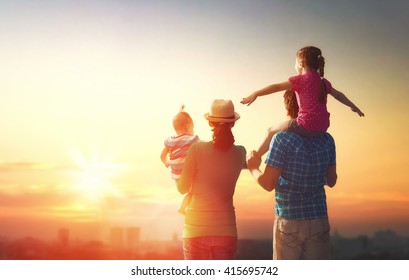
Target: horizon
105	238
89	89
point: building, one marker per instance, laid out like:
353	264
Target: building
133	237
117	237
64	237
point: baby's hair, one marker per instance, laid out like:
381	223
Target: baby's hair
181	119
312	57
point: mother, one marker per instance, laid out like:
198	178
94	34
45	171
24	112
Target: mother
210	171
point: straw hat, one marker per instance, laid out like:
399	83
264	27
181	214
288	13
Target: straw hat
222	111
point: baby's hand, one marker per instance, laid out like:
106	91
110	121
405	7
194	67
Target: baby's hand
249	99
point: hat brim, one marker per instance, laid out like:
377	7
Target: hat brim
221	119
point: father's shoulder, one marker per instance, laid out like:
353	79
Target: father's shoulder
328	137
325	140
288	136
287	139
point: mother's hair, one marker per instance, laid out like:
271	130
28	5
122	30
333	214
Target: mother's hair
223	137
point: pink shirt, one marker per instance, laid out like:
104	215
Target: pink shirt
313	114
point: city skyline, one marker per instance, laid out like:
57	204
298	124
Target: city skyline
89	89
125	243
132	234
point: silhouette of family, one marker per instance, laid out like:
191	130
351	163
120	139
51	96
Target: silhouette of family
300	162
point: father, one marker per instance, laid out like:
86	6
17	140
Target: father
298	168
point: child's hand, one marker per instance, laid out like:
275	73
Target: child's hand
359	112
249	99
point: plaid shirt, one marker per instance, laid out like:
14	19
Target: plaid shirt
300	193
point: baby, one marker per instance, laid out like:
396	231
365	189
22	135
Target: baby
176	147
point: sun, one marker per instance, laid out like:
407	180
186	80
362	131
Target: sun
94	176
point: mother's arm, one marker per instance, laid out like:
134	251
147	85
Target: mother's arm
186	178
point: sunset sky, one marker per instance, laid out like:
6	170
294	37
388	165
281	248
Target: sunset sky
88	90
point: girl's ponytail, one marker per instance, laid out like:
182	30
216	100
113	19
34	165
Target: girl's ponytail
321	65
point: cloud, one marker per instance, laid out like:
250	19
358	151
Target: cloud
24	166
43	199
373	197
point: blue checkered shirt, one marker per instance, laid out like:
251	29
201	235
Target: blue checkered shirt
300	193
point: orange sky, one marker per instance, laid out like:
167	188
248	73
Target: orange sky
87	94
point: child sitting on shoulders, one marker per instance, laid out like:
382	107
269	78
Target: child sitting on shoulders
311	90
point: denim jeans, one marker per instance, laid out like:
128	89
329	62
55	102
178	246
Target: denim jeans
301	239
210	248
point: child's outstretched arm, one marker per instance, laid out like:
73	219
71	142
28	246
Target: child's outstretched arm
164	156
265	91
344	100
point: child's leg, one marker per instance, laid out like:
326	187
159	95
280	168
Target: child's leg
294	127
265	145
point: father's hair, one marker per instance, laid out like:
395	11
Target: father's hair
291	105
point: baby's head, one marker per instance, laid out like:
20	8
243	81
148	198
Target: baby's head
182	122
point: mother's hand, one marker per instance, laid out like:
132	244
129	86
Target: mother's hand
253	161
